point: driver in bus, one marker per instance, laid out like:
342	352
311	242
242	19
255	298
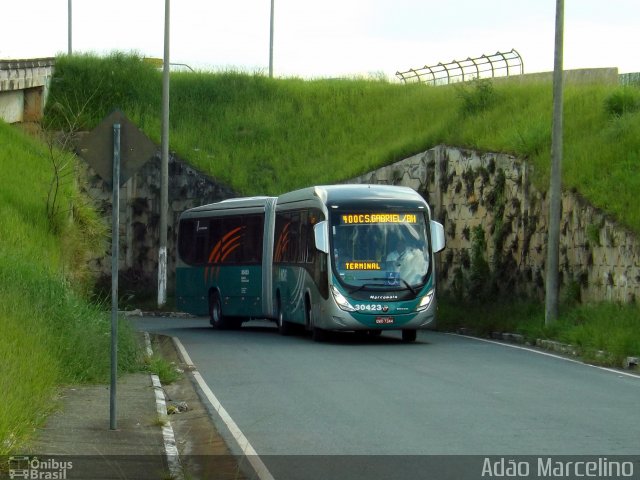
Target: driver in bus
399	253
410	262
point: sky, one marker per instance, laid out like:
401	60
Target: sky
328	38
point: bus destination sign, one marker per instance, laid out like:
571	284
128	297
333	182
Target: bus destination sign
365	218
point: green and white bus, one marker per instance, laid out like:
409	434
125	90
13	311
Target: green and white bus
338	257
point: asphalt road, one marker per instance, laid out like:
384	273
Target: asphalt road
442	395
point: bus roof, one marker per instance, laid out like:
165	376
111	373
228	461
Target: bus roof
232	203
351	194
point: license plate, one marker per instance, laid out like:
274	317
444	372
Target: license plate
384	320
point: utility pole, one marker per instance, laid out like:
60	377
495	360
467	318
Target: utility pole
69	29
555	188
271	42
164	165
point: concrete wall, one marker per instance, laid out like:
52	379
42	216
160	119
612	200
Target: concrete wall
579	76
140	217
488	192
12	106
24	87
470	193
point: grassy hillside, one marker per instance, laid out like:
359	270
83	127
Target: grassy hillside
51	333
266	136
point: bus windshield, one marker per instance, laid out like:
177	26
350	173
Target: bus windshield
380	251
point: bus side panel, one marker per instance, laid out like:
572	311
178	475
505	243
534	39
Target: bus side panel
292	282
241	290
191	291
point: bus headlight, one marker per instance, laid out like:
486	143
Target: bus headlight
342	302
425	302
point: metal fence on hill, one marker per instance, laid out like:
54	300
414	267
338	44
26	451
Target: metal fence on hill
629	78
500	64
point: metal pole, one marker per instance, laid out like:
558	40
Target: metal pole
555	189
164	165
69	28
271	42
115	250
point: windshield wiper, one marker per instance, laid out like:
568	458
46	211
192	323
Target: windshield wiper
357	289
409	287
415	293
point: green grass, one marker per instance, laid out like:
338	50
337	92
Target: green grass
51	333
606	327
166	371
267	136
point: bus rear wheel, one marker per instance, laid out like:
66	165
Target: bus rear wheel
216	318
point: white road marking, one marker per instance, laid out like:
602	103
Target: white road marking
547	354
245	446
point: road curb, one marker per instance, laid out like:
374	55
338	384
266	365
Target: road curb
168	436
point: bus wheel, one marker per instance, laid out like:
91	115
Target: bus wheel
283	326
215	311
317	334
409	336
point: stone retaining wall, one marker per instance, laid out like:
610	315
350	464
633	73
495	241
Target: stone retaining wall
140	218
474	195
490	195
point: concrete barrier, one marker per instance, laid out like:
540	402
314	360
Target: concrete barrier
24	87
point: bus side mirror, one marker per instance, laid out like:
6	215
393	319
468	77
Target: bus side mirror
320	235
437	236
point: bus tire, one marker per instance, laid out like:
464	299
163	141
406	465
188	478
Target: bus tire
409	336
283	326
215	311
317	334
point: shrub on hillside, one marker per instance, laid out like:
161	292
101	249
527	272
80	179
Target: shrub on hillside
624	100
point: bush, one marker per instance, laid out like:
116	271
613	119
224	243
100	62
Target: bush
477	96
624	100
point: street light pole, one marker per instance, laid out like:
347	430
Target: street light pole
69	28
555	189
164	165
271	42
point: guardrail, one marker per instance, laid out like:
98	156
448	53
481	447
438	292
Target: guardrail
500	64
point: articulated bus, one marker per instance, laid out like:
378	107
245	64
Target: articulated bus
338	257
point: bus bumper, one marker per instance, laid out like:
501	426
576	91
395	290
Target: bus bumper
346	321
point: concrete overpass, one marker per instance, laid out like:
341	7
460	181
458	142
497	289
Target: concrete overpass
24	86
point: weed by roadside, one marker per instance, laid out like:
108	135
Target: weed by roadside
167	371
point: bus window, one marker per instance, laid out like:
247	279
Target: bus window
287	245
186	240
193	241
236	240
